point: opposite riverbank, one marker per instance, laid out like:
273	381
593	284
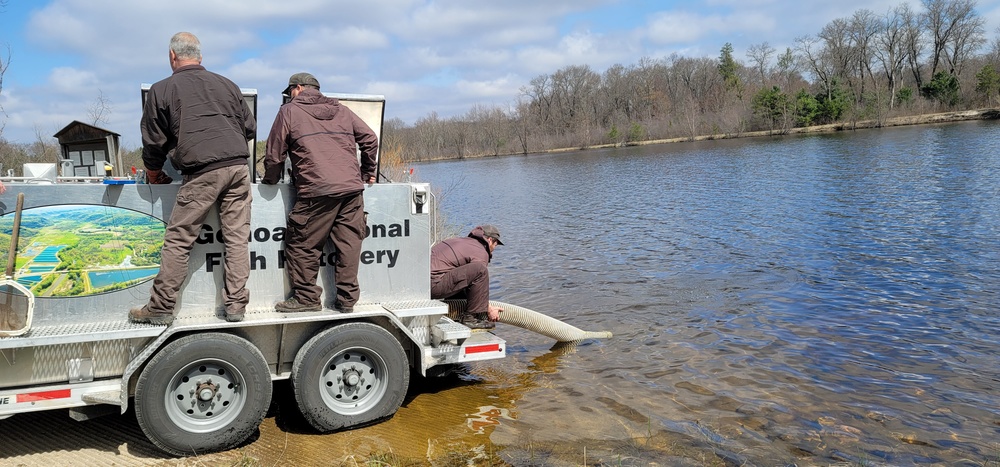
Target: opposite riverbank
923	119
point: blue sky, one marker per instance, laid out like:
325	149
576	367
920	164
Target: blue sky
424	56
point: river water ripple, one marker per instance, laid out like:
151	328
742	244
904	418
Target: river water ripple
812	299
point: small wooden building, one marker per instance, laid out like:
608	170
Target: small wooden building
87	149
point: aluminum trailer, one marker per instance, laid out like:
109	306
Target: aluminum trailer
88	249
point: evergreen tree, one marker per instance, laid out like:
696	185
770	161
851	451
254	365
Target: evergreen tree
943	88
728	69
988	83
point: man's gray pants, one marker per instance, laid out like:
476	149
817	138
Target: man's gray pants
229	189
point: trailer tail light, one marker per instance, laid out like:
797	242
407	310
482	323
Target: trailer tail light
482	348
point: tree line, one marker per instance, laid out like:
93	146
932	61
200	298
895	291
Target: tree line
866	66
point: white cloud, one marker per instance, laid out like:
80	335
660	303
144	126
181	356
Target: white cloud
594	50
72	81
682	27
337	40
395	92
499	90
487	21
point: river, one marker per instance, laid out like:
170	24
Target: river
808	299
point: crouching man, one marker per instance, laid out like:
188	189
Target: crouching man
459	270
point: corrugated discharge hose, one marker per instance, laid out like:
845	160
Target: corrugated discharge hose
533	321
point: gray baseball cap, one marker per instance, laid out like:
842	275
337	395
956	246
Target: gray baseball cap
301	78
492	232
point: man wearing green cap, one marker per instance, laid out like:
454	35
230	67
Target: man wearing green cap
322	138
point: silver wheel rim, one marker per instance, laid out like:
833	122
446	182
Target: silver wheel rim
205	396
353	381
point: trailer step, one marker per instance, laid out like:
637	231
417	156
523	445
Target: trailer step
448	330
477	347
104	397
409	308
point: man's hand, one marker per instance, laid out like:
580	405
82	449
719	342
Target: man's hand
494	313
157	177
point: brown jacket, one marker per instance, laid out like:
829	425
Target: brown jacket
453	252
321	136
198	119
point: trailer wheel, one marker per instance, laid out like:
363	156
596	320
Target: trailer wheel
350	376
202	393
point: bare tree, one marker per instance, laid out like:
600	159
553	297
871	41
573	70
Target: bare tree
100	109
391	151
45	148
539	93
691	83
429	132
955	29
617	104
573	88
522	123
838	50
863	27
787	68
760	56
816	62
494	129
650	78
913	41
891	51
968	36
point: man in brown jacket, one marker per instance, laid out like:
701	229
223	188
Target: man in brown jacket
199	120
459	270
322	138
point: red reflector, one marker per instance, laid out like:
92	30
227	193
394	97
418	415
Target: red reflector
482	348
43	396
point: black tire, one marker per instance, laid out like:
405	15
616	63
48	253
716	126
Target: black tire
350	376
203	393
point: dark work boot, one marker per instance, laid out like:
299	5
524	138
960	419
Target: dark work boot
235	317
143	315
476	321
292	305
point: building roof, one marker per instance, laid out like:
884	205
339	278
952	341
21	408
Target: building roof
78	131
